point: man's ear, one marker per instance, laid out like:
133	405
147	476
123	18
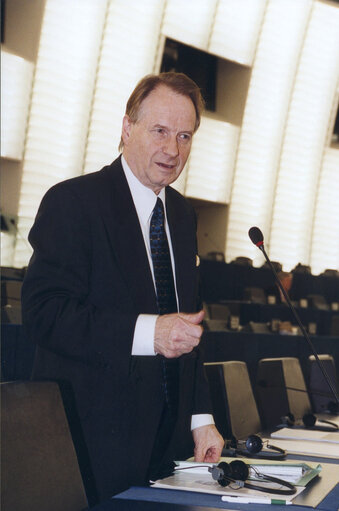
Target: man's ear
126	128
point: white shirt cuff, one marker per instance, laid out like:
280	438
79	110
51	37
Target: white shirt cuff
143	340
201	419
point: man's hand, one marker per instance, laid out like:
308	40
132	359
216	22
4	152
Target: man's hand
176	334
208	444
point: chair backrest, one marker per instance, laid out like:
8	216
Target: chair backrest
281	389
39	464
255	295
234	407
219	311
334	329
320	393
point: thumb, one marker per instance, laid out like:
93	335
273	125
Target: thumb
195	318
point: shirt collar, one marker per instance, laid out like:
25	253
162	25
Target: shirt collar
144	198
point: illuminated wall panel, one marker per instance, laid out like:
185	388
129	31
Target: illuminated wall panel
235	29
325	237
128	52
263	124
60	106
306	133
16	83
189	22
211	164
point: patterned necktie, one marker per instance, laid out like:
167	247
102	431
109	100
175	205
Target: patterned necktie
166	298
161	258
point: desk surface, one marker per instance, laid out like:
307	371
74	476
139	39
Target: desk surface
144	498
149	499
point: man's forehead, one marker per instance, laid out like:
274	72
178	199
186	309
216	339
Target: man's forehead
164	100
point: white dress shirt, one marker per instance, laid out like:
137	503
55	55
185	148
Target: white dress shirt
143	341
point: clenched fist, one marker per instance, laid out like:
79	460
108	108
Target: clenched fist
176	334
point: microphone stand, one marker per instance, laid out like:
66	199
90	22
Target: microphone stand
305	334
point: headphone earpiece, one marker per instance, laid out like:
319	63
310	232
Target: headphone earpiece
225	473
254	444
252	448
237	472
308	421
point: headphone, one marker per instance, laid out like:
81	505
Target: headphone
237	472
308	421
252	448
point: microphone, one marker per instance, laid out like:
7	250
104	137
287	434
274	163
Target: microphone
257	238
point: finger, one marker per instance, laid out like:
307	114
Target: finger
195	318
211	455
199	455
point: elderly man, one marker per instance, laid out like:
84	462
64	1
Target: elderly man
111	299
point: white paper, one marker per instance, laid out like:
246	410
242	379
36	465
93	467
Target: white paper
307	435
204	483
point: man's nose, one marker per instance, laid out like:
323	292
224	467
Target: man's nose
171	146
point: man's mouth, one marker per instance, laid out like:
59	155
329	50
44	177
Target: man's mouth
165	165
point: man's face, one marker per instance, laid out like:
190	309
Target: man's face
157	145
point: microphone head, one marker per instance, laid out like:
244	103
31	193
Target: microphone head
256	236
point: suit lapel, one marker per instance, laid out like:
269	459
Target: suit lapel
126	238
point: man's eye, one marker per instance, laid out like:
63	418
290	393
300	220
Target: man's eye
185	137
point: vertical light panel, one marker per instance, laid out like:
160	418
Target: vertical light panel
211	164
325	236
7	241
180	183
305	137
235	29
128	53
16	83
261	135
189	22
60	106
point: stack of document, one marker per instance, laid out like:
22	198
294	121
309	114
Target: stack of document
307	441
191	476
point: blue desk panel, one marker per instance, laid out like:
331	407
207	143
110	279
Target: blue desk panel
189	501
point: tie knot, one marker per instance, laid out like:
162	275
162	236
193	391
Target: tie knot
159	207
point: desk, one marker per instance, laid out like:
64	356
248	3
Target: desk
149	499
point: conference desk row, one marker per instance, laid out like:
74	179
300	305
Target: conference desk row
325	488
18	353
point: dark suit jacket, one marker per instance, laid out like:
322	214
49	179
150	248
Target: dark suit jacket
86	284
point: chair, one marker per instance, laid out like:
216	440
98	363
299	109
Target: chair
39	465
234	407
255	295
219	311
215	325
334	328
257	328
317	302
320	393
242	261
280	389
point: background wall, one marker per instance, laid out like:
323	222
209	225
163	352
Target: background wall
265	157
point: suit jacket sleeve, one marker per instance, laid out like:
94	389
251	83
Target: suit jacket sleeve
60	312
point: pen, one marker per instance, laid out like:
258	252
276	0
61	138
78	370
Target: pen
254	500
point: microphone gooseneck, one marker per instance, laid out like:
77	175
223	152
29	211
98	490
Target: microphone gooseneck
257	237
